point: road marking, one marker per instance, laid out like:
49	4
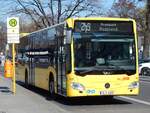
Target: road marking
136	100
145	82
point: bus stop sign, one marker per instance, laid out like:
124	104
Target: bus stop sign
13	22
13	30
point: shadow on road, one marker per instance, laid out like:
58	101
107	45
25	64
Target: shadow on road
4	89
76	101
90	101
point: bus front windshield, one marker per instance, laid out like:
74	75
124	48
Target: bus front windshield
95	54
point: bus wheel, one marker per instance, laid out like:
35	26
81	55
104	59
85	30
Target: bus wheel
26	79
51	88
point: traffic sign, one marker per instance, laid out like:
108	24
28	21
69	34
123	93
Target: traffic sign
13	30
12	38
13	22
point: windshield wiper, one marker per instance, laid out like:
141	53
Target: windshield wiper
92	69
86	71
121	69
83	71
116	67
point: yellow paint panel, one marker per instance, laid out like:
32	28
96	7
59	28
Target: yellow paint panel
118	85
41	78
20	72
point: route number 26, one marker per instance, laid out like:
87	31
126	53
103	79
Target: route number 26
85	27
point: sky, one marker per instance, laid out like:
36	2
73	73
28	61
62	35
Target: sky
5	7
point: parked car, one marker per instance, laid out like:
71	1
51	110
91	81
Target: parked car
144	67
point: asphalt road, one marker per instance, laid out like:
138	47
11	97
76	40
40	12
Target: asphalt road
35	100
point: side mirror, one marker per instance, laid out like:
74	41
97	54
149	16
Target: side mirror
68	36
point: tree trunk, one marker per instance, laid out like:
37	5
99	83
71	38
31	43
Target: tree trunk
59	11
147	35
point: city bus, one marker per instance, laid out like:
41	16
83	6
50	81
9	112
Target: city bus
87	56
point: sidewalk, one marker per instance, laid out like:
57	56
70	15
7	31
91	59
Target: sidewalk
25	100
10	103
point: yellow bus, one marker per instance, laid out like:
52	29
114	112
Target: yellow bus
90	56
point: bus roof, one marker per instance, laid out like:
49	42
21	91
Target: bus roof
102	18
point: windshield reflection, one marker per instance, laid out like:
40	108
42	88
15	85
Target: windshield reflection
116	52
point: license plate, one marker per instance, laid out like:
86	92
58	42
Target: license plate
106	92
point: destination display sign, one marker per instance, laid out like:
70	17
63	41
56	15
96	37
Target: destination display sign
104	26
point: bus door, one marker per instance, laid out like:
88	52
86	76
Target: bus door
31	70
61	67
31	62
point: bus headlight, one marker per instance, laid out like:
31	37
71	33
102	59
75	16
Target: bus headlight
133	85
77	86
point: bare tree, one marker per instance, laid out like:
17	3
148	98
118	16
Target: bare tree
123	8
3	38
129	9
49	12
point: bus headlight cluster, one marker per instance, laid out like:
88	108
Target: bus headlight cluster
133	85
77	86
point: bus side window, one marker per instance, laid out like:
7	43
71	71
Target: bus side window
68	58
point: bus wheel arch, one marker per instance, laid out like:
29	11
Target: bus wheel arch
51	85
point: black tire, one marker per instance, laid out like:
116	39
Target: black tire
26	79
108	98
51	88
145	71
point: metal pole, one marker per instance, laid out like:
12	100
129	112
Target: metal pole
14	76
